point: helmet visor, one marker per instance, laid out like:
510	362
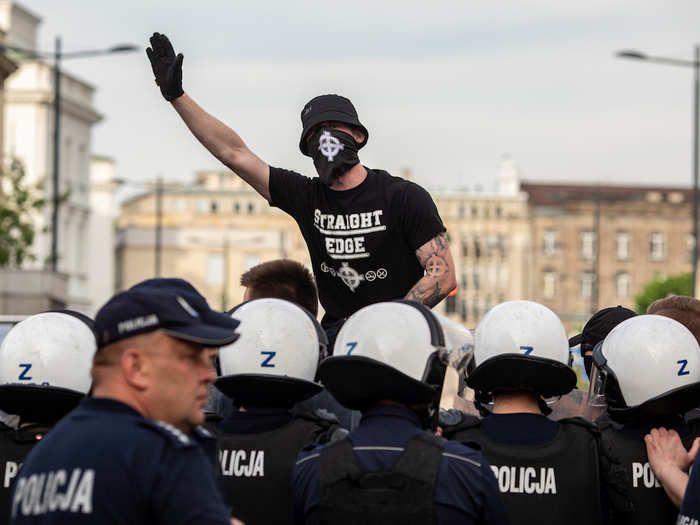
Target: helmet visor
599	378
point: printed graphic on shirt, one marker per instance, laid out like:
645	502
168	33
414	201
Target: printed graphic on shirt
344	235
242	463
351	277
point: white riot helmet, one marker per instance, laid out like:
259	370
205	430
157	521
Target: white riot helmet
45	363
275	359
647	365
521	345
388	350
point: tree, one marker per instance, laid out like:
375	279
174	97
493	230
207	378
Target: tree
19	202
661	287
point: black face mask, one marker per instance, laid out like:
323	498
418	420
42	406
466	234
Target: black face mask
334	152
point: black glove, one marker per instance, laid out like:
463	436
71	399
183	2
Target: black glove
167	67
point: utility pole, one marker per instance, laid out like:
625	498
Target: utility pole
159	224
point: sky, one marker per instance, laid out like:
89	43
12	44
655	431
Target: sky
445	88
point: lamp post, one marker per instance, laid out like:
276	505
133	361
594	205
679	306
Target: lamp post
695	64
57	55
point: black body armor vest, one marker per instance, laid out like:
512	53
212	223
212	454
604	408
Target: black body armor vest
350	495
14	447
557	482
255	466
649	500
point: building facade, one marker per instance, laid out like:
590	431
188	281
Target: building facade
598	246
212	231
521	241
28	136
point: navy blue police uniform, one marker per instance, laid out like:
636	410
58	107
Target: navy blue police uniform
626	442
257	452
463	491
539	461
106	463
690	507
15	444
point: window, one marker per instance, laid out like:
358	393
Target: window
202	206
180	204
622	246
465	247
463	310
588	245
502	245
657	246
215	268
476	279
463	281
477	248
475	211
550	242
461	211
237	207
622	284
212	207
587	281
549	284
250	208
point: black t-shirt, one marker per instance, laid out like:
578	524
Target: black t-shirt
362	241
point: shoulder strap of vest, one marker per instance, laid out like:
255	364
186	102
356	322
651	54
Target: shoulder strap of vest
692	419
581	422
337	461
455	424
421	457
327	425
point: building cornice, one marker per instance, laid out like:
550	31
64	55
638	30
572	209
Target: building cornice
68	106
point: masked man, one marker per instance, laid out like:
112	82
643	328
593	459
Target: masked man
372	237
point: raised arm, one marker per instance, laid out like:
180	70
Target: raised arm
439	278
217	137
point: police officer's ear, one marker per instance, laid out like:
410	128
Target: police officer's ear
136	367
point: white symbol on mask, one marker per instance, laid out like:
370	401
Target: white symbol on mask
350	276
329	145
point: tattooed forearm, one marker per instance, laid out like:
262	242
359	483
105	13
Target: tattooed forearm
427	293
439	278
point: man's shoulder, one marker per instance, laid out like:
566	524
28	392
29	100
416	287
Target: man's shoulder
463	454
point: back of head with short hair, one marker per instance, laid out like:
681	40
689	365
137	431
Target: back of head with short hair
283	279
684	309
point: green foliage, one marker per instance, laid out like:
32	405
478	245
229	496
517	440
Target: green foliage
660	287
19	201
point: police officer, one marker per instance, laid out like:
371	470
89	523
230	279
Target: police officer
270	368
44	372
543	467
125	455
647	371
389	362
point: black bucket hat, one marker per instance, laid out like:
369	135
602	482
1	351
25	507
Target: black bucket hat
326	108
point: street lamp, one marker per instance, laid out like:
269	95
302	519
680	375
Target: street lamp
695	64
57	55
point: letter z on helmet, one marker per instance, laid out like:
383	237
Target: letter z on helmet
45	363
274	362
392	350
647	365
521	345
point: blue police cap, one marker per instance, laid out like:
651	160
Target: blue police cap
171	305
